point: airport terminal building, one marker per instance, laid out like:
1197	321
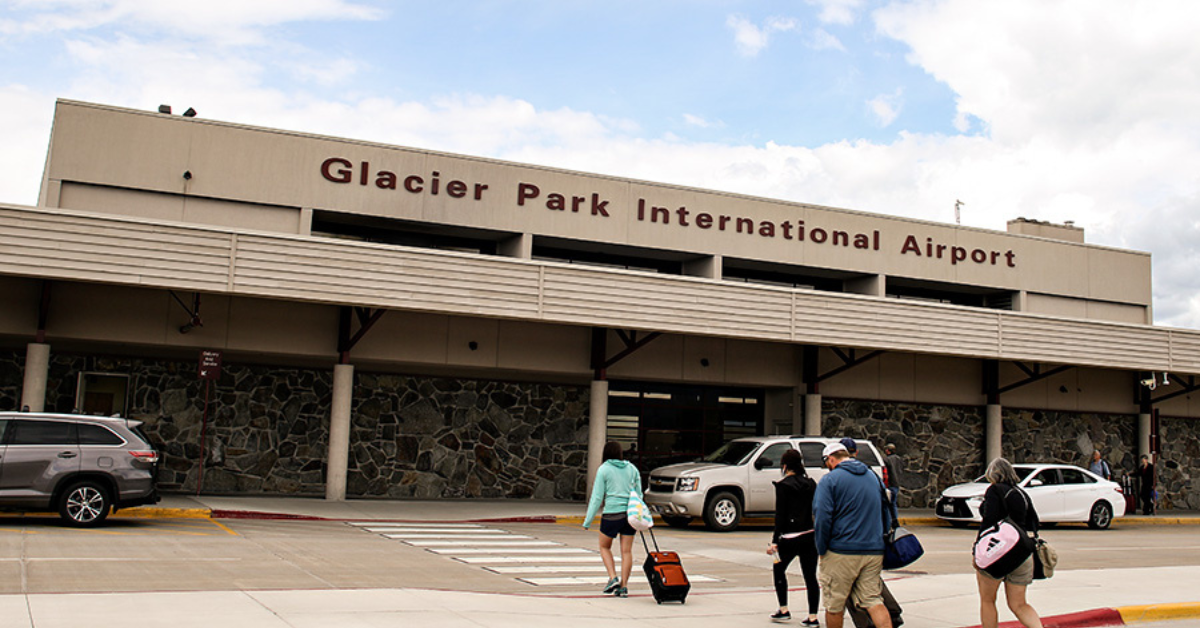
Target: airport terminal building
296	314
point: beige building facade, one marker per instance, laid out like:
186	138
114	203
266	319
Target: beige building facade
402	322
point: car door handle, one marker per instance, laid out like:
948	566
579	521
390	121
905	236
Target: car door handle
67	454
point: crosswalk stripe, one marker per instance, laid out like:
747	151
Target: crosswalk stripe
508	550
536	569
599	580
449	531
434	537
477	560
424	524
489	543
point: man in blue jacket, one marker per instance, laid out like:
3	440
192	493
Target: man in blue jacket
850	522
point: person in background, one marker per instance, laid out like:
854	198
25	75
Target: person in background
1001	500
893	463
793	535
849	521
1099	466
614	480
851	446
1145	475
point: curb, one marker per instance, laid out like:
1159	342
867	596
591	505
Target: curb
1120	616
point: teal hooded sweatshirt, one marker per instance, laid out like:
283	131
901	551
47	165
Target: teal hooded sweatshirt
614	480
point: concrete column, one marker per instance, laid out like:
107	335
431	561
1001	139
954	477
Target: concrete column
812	414
597	429
993	434
1144	423
797	410
37	371
338	456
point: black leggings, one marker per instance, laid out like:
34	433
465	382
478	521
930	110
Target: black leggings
806	549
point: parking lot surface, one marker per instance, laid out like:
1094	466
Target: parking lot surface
499	564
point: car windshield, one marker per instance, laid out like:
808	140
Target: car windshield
733	452
1022	472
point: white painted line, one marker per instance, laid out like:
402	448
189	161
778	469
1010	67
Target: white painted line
479	560
483	543
599	580
576	580
381	524
442	537
508	550
447	531
537	569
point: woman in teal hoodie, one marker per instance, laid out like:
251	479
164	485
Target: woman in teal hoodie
614	480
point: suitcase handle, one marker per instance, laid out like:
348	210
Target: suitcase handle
643	535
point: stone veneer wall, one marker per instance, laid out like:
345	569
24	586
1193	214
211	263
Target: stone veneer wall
940	445
943	445
410	436
1178	475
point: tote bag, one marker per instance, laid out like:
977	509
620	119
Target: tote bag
901	549
1001	548
638	513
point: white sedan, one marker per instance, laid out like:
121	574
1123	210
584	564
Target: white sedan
1060	492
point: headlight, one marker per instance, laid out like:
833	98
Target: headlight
687	484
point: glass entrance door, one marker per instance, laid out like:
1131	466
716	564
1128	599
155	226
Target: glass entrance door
661	424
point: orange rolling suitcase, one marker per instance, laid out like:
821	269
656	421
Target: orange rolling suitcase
668	582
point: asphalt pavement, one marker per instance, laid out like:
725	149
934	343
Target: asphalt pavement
1159	596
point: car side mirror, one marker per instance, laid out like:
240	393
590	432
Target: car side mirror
762	463
1033	483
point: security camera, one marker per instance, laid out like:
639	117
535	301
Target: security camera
1149	383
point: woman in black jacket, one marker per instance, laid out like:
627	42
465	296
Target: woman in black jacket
1004	499
794	535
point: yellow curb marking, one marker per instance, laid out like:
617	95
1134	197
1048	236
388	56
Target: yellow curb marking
1159	612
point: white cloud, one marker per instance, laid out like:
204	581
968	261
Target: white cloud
841	12
1093	123
25	127
750	38
886	107
226	20
820	39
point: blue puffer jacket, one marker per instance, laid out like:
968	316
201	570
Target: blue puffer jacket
848	511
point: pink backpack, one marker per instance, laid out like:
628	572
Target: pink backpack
1002	548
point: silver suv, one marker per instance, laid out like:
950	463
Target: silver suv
736	480
82	466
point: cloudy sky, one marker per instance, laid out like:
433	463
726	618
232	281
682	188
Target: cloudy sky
1083	110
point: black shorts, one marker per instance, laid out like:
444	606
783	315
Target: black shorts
618	524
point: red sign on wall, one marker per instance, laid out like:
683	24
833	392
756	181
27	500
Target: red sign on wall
210	364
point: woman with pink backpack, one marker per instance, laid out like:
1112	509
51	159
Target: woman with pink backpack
1003	551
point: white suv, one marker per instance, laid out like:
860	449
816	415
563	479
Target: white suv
736	480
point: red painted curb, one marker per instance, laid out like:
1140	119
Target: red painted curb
1085	619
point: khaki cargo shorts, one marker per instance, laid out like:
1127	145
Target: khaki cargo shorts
1022	575
846	575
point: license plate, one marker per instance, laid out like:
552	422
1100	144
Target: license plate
947	509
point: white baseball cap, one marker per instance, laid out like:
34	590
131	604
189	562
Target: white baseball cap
832	448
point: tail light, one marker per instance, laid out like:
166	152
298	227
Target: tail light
145	455
1118	489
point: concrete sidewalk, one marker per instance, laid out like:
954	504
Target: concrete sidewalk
1075	599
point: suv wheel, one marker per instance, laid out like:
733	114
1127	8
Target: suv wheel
84	504
723	512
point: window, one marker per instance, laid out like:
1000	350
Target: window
1075	476
42	433
866	456
1048	477
771	457
96	435
811	452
